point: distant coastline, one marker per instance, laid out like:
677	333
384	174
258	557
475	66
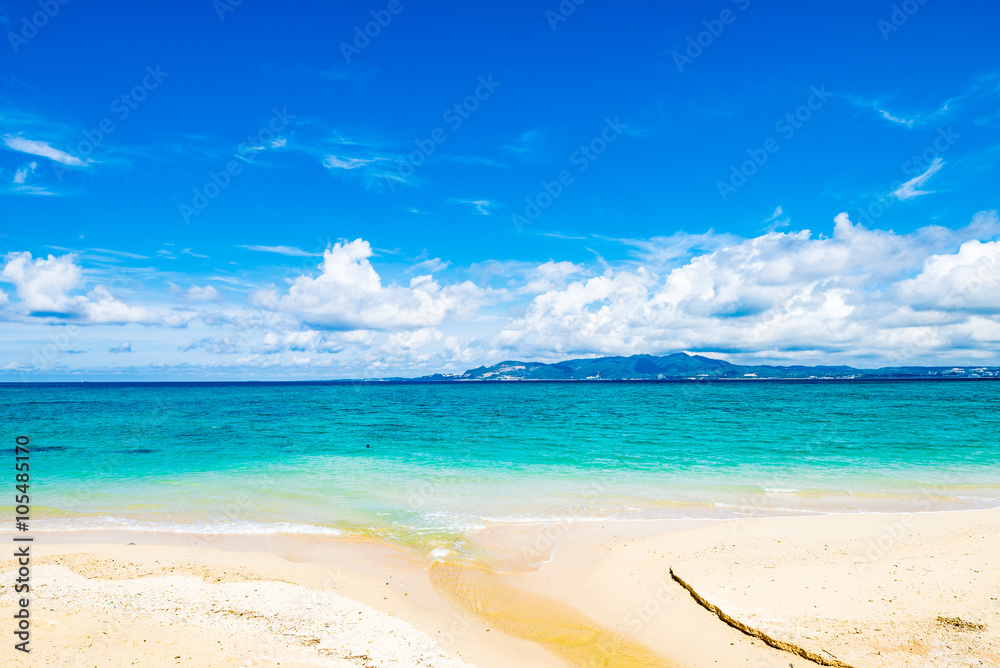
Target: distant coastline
674	368
682	366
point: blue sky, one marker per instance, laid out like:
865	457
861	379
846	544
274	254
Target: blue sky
504	180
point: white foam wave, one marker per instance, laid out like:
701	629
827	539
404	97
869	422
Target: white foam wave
239	527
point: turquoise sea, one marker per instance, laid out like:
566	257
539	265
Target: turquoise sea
424	464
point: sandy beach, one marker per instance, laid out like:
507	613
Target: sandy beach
906	590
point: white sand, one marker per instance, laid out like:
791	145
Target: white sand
865	589
183	620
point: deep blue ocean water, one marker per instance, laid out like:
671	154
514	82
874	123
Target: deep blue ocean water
423	464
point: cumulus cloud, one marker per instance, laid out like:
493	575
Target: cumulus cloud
794	291
844	294
43	287
310	340
348	294
413	340
207	293
43	284
551	275
966	280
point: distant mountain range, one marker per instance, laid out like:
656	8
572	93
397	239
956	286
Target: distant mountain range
681	366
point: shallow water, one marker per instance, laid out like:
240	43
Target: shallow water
423	465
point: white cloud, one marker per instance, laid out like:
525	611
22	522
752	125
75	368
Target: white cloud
413	340
337	162
777	220
966	280
131	256
203	294
217	345
775	292
482	206
41	148
908	122
282	250
909	190
101	307
551	275
22	174
124	347
430	265
43	285
852	295
310	340
348	294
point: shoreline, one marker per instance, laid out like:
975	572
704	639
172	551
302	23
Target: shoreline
320	531
612	574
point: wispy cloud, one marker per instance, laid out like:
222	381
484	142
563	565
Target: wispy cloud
20	185
22	174
430	266
910	189
881	106
528	145
338	162
282	250
42	149
132	256
777	220
33	190
352	73
482	206
560	235
981	88
908	122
